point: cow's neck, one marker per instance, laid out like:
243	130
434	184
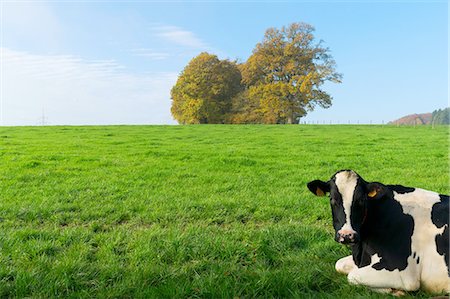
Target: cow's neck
382	216
386	226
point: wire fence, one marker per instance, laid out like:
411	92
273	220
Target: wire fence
337	122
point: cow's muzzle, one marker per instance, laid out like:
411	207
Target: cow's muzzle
347	237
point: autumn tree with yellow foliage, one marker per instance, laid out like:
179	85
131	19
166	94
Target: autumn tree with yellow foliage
203	91
279	83
286	72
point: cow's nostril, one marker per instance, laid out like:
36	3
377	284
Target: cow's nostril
346	238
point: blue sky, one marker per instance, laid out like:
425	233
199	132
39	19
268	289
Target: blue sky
114	62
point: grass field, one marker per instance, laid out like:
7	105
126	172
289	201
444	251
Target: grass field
191	211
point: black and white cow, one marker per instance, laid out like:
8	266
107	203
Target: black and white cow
399	236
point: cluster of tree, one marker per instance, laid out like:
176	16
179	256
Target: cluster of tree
279	83
441	117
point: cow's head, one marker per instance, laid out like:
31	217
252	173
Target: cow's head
349	195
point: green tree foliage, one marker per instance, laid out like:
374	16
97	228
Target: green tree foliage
441	117
246	109
262	104
280	82
204	90
286	72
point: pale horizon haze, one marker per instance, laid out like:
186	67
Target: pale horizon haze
114	62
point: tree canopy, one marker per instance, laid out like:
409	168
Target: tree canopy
441	117
204	89
289	68
279	83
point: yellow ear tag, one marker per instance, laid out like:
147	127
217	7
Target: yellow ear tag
319	192
372	193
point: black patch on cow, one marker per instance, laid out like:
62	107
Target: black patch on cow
401	189
337	208
387	232
418	259
440	218
360	256
414	255
444	197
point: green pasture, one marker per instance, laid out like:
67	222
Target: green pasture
208	211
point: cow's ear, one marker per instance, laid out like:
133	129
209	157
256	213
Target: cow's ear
319	187
376	190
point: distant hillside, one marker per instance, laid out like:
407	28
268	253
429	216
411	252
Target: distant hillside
414	119
438	117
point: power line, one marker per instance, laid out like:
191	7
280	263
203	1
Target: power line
44	119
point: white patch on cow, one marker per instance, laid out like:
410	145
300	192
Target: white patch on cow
384	279
346	183
374	259
433	270
345	265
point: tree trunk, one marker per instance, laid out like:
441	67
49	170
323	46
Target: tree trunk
291	118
